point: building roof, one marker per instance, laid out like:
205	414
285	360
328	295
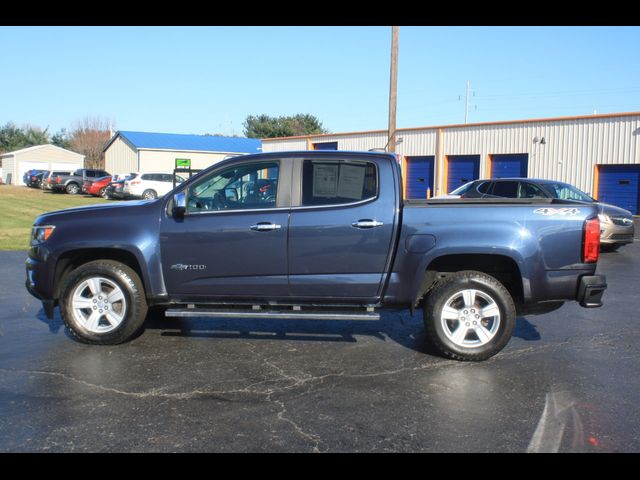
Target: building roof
197	143
38	147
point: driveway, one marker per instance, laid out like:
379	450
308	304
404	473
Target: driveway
568	381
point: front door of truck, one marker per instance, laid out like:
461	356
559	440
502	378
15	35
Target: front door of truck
232	241
341	227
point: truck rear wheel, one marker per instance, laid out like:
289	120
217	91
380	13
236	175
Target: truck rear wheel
469	316
103	302
72	188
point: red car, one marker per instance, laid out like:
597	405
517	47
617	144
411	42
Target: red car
98	186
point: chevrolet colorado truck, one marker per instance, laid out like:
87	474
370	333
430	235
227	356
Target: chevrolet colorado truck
315	235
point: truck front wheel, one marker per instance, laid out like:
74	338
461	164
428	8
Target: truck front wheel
103	302
469	316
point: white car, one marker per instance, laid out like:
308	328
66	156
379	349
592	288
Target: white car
150	185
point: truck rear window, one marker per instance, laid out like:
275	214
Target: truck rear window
335	182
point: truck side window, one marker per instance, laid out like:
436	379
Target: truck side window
335	182
239	187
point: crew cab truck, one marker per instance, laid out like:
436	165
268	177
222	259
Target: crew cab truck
322	235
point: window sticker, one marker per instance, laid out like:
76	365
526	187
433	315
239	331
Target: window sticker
325	180
351	181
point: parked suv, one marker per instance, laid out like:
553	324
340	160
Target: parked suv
616	224
35	179
27	177
150	185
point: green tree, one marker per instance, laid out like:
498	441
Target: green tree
61	139
14	138
265	126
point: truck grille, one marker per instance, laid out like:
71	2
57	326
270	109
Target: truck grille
621	236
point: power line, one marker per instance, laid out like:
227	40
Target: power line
564	93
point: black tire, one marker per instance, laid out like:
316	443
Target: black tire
72	188
149	194
445	290
609	247
133	291
103	193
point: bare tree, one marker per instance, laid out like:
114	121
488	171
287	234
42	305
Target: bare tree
88	137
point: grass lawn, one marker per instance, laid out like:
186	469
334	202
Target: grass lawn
19	207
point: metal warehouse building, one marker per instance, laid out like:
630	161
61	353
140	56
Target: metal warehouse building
158	152
40	157
600	154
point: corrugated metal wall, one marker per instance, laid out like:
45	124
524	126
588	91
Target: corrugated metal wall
571	150
120	157
286	145
165	161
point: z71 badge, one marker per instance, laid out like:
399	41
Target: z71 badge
547	211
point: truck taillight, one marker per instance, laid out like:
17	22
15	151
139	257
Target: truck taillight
591	241
58	179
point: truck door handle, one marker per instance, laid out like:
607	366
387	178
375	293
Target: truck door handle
265	226
366	223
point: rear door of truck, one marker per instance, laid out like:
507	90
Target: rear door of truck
342	225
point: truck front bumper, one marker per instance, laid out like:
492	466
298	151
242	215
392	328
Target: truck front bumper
591	289
35	280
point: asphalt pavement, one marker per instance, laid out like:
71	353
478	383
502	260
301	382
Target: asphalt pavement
568	382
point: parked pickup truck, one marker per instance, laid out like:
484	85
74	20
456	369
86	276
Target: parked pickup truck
73	183
321	235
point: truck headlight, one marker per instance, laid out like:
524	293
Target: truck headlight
42	233
604	218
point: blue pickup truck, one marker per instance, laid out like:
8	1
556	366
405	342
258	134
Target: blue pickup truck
320	235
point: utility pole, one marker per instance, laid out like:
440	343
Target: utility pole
466	104
466	101
393	89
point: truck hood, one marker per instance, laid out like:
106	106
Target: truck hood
110	211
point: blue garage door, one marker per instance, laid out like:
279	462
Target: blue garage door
462	169
620	185
419	176
325	146
509	166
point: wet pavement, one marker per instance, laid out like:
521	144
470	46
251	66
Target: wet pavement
568	381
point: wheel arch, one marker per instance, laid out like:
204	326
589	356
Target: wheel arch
503	267
72	259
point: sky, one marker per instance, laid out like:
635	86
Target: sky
200	80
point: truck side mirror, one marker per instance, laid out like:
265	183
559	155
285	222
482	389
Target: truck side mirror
179	205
